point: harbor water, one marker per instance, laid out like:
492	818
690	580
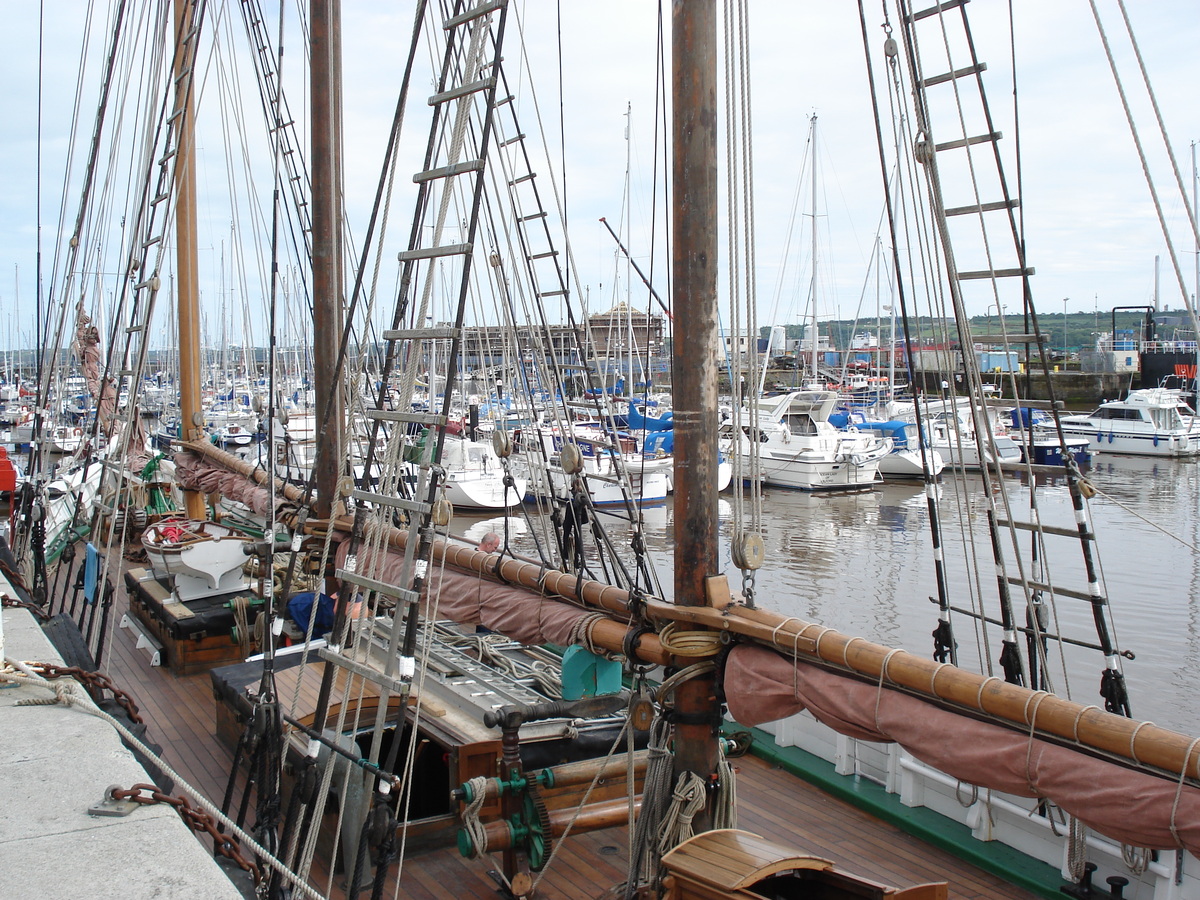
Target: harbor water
862	563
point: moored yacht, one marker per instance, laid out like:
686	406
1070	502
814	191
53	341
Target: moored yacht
799	448
1146	423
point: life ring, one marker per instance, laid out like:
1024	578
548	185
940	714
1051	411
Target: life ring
78	432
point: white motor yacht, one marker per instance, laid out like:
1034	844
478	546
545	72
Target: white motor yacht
1146	423
798	448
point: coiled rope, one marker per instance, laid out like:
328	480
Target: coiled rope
689	643
470	816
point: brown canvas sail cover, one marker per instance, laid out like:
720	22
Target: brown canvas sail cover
471	599
194	473
1137	809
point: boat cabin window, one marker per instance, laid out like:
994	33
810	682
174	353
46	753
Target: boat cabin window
1117	413
801	424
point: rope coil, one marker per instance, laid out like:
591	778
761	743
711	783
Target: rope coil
689	643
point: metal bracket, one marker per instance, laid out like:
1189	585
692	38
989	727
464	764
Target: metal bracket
113	807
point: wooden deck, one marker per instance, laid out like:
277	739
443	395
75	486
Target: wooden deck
180	712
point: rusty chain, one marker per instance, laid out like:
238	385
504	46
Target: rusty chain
14	603
195	818
93	681
13	576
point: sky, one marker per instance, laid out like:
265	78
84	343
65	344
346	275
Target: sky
1091	231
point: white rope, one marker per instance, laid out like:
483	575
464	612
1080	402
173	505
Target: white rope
1187	758
686	800
1076	849
725	802
656	786
1136	859
470	816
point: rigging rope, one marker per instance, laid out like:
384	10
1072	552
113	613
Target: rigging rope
1187	298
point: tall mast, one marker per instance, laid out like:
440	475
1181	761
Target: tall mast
813	337
326	86
694	357
187	285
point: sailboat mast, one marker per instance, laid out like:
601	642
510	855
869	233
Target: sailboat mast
326	86
813	336
187	284
694	358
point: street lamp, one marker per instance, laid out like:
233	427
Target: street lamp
1065	299
1000	309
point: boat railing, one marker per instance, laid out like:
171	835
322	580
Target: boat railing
1167	346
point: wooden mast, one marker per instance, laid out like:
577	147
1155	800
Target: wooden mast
187	274
694	361
326	87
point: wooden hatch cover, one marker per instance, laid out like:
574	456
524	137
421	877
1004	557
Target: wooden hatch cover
733	863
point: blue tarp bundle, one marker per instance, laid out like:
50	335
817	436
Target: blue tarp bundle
299	609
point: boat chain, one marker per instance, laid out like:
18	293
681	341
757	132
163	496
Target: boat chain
195	818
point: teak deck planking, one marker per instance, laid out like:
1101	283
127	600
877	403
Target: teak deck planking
181	714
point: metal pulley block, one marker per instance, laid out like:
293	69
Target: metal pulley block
641	710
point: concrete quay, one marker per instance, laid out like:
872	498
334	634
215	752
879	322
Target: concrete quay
55	763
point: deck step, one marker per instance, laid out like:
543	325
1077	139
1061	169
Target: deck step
430	420
434	252
370	673
422	334
937	8
989	138
1010	338
957	73
380	587
981	274
983	207
1056	590
414	506
1047	529
470	165
463	90
147	642
474	13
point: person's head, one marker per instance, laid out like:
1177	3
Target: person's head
490	542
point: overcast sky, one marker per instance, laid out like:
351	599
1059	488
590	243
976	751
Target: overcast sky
1091	229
